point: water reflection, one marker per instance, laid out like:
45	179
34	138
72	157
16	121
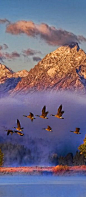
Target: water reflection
42	186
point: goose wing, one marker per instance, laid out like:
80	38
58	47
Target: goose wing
19	133
43	110
18	124
77	129
62	112
9	131
49	127
31	115
59	110
46	113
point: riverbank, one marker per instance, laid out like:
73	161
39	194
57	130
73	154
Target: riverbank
58	170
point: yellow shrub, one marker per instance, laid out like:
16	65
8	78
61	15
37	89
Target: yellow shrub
60	168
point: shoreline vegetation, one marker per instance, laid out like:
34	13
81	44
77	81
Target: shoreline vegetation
36	170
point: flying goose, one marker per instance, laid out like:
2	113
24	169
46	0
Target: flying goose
76	131
48	128
18	128
44	113
59	113
31	116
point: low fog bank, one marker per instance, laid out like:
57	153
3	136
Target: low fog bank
41	142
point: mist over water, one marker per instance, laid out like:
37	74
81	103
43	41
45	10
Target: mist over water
61	140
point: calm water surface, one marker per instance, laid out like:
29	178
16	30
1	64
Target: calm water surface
42	186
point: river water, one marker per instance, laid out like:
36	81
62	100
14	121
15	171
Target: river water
42	186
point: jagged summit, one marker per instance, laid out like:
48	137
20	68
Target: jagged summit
73	44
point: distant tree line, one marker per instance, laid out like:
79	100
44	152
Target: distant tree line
69	159
19	155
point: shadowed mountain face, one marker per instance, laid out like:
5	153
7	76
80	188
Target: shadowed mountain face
63	69
8	85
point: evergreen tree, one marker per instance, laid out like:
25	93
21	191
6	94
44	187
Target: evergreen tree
1	158
78	159
82	148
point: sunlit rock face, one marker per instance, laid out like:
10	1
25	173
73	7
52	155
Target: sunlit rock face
63	69
5	73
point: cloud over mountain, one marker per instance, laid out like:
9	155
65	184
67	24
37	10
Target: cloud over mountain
12	55
30	52
9	56
3	47
2	57
37	59
2	21
51	35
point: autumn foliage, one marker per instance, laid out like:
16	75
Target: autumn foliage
60	168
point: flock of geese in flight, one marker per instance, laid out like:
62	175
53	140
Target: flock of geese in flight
43	115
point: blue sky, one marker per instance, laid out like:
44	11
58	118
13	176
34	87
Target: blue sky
32	29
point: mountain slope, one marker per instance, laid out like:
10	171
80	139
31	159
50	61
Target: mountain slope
63	69
9	79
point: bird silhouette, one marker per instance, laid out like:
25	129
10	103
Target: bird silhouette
18	128
48	128
44	113
76	131
59	113
31	116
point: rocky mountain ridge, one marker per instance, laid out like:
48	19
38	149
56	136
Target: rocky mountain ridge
9	79
62	69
